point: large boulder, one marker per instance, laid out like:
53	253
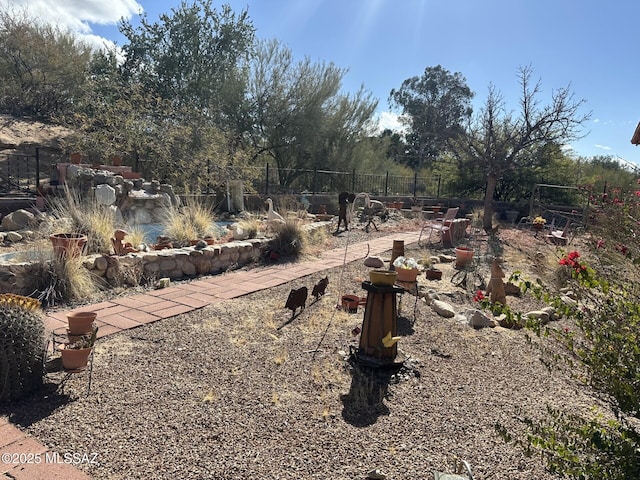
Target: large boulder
18	220
105	194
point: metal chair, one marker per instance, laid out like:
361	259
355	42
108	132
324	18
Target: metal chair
460	466
439	225
559	237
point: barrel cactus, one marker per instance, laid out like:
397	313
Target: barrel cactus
22	346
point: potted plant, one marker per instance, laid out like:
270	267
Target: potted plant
407	269
539	222
75	353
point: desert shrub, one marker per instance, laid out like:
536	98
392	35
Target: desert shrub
22	346
601	349
190	221
60	280
136	235
82	214
251	225
289	238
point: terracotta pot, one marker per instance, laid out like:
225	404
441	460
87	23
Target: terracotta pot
350	303
433	274
464	256
75	158
116	160
538	226
407	274
75	359
81	323
68	244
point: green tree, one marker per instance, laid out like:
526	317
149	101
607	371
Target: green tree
42	68
298	116
435	108
193	57
501	143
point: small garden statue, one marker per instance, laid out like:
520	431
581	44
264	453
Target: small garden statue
495	290
120	247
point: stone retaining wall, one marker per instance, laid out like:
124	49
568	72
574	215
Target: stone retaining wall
173	263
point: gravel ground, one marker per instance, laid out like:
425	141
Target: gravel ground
233	391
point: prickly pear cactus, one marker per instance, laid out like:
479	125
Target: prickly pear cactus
22	346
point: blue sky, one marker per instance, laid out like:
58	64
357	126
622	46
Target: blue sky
590	45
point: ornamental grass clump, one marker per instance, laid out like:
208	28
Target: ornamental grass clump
22	346
290	239
79	213
60	281
191	221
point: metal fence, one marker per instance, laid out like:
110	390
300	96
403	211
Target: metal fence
19	174
288	181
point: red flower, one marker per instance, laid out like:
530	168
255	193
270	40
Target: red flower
479	296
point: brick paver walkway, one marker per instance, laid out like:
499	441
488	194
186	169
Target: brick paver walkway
135	310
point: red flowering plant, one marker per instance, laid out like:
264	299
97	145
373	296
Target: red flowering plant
599	344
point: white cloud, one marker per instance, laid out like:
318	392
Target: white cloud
77	15
602	147
391	121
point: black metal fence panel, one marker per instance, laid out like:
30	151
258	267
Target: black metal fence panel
271	181
19	174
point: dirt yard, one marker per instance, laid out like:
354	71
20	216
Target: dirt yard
231	392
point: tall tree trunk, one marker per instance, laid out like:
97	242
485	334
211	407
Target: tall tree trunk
487	219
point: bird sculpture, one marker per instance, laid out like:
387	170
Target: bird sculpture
272	215
274	219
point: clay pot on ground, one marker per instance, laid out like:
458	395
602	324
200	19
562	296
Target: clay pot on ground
407	274
68	245
116	160
433	273
350	303
75	158
464	256
80	323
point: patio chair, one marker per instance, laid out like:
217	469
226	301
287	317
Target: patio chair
460	467
439	225
559	237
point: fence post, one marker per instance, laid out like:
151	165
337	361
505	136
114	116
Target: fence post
266	181
386	184
37	168
438	191
315	181
415	184
353	181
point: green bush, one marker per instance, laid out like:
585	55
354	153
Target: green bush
600	346
22	346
